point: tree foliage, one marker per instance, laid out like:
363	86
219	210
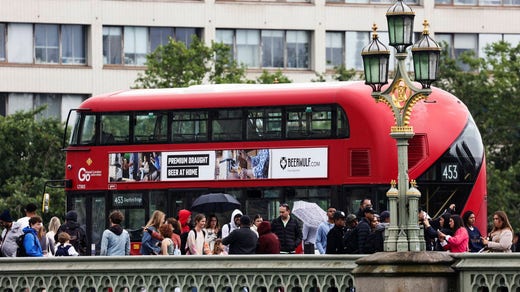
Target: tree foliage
31	154
490	90
175	65
272	78
341	73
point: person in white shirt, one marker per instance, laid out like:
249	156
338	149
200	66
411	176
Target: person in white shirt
30	211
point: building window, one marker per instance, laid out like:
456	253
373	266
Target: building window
52	103
3	103
335	47
355	42
73	44
46	47
58	105
160	36
20	43
186	34
465	2
297	49
129	45
112	37
2	42
274	48
43	43
478	2
248	47
458	44
135	45
226	37
373	1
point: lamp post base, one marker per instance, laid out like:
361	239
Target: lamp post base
405	271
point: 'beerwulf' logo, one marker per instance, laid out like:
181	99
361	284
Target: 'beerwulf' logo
283	162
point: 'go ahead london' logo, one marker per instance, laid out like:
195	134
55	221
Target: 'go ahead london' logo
85	175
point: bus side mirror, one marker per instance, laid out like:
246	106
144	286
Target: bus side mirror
45	203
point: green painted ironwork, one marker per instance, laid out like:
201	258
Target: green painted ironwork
179	273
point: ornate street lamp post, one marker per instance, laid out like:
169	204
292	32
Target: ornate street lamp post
400	96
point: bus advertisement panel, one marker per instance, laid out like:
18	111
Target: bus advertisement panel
244	164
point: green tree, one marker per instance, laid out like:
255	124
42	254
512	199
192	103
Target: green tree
175	65
490	90
344	74
31	154
341	73
271	78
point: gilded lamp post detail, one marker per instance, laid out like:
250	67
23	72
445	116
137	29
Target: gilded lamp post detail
400	97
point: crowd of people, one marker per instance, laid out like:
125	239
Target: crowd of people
27	236
362	232
243	234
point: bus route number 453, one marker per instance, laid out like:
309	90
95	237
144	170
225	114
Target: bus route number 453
450	172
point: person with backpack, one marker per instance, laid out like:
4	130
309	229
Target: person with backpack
31	243
196	242
78	237
12	230
233	224
64	248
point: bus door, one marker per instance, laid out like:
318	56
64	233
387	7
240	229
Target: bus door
182	199
91	216
138	206
135	207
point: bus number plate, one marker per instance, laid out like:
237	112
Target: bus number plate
450	172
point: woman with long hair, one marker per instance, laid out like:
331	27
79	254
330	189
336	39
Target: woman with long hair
475	237
54	225
212	229
148	243
459	241
501	237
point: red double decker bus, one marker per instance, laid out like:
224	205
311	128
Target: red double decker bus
329	143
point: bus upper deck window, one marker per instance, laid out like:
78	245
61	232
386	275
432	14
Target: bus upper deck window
115	129
87	129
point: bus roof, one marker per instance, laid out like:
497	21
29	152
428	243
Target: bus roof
220	95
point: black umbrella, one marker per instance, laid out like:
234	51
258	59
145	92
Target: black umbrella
215	203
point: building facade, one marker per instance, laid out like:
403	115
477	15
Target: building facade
60	52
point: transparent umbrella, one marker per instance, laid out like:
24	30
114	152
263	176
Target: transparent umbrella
310	213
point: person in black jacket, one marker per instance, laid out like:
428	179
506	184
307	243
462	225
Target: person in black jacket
242	240
287	229
336	237
363	229
78	237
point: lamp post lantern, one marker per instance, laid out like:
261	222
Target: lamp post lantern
400	96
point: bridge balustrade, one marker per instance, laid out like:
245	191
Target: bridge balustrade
475	272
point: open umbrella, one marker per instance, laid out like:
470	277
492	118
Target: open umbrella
215	203
309	213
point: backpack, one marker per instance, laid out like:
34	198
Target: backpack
75	238
184	239
21	252
62	251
